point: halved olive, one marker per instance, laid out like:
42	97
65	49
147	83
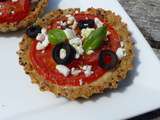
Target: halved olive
107	59
33	31
70	53
86	23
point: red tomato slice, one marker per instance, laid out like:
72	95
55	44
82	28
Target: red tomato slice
14	11
45	65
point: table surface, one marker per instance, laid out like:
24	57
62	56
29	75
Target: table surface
146	15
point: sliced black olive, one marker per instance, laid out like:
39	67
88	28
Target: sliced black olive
112	59
70	53
86	23
33	31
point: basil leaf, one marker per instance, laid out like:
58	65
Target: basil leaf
56	36
95	39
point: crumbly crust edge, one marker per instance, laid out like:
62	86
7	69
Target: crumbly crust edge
28	20
107	81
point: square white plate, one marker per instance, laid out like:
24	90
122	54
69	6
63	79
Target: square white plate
21	100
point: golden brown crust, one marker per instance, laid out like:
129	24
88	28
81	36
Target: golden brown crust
31	18
109	80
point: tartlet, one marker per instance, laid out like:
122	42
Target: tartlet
54	72
18	14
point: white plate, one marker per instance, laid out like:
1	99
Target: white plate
21	100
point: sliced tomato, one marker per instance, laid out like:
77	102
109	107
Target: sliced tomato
14	11
45	65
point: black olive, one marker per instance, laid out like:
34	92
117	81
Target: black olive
86	23
102	59
70	53
33	31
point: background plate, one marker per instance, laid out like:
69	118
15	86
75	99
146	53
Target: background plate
21	100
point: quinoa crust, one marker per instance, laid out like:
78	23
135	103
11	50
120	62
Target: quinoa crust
28	20
107	81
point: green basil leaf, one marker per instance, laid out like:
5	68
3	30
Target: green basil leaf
95	39
56	36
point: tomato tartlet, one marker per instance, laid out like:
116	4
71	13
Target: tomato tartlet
18	14
75	53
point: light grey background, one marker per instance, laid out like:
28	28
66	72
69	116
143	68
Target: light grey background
146	14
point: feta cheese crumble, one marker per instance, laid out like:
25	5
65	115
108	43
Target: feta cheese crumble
76	11
98	22
87	69
77	44
108	33
86	32
75	71
62	24
80	82
64	70
14	0
43	44
89	52
71	21
43	39
70	33
1	6
122	44
41	36
121	52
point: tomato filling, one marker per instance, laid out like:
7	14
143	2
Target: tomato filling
14	11
45	65
108	59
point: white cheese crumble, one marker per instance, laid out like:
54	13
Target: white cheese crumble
1	13
70	33
108	33
40	37
87	69
44	31
14	0
43	44
75	41
80	82
63	24
76	11
64	70
77	44
75	71
121	52
74	25
98	22
86	32
1	6
43	39
71	21
122	44
62	53
89	52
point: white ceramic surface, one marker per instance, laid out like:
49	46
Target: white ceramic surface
21	100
